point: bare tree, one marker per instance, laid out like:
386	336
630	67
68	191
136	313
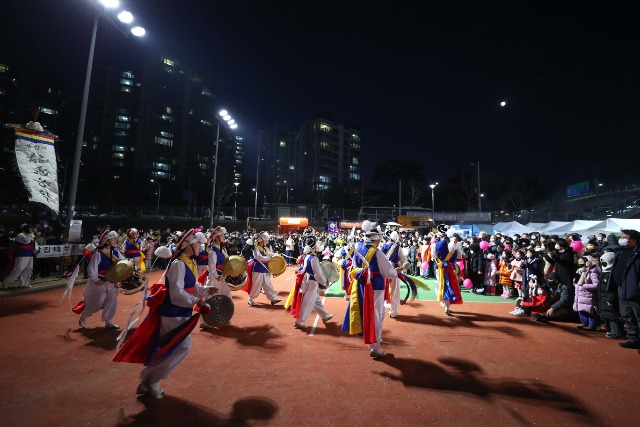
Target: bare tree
224	192
416	193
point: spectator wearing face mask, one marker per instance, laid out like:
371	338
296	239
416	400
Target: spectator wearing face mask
608	298
535	305
585	301
562	260
625	274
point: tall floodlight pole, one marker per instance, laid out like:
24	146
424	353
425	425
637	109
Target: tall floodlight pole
224	115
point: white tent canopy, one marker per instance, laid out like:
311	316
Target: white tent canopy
510	228
551	225
572	227
614	225
535	226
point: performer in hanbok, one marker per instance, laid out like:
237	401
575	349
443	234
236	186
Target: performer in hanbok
259	276
99	293
446	253
366	306
23	258
392	250
217	255
309	288
163	339
131	249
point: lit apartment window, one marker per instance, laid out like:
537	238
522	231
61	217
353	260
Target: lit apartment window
169	62
323	187
164	141
355	146
168	110
292	167
127	74
159	174
325	127
202	166
283	144
324	178
355	176
120	125
325	145
49	90
125	89
356	161
121	133
161	166
166	134
48	111
167	118
4	68
116	176
355	137
120	148
2	92
353	168
126	82
118	156
122	118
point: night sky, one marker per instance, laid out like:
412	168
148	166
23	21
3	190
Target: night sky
423	80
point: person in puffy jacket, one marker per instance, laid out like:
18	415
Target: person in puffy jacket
608	309
585	301
625	274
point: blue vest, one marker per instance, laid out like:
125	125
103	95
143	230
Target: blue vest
394	257
25	249
130	249
306	263
168	309
219	258
376	278
259	267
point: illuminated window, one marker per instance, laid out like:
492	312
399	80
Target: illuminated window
325	145
127	74
4	68
167	118
116	176
203	166
120	125
122	118
158	174
161	166
49	111
121	133
126	89
168	110
292	167
325	127
355	146
118	155
164	141
126	82
169	62
166	134
353	168
356	161
120	148
355	176
355	137
324	179
49	90
283	144
323	187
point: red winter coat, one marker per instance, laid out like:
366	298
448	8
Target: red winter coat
538	303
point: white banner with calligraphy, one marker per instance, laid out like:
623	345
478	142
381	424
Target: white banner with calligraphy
53	251
36	158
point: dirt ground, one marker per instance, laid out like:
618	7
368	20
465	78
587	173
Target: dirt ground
481	366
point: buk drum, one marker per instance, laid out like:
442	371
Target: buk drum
234	270
330	273
133	284
277	265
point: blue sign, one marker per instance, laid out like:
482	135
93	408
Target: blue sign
579	189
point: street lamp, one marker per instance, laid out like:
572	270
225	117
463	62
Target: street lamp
75	171
159	188
255	206
235	202
433	212
228	121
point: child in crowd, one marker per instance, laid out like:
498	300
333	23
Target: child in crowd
490	272
505	275
538	302
516	272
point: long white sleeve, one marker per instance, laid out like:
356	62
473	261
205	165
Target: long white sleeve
175	278
387	270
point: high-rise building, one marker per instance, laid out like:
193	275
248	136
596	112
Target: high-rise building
176	142
277	168
329	155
